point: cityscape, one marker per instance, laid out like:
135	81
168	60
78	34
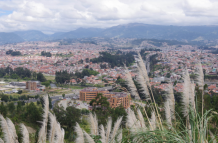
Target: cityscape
108	71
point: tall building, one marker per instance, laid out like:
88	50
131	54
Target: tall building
114	98
31	85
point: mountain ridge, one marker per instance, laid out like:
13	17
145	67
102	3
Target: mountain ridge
131	30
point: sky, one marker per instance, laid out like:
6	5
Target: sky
51	16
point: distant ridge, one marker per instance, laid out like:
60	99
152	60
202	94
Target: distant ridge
9	38
132	30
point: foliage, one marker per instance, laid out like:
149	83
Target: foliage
46	83
62	77
67	118
86	72
114	60
40	77
46	54
13	53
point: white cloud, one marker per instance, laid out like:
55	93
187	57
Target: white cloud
58	15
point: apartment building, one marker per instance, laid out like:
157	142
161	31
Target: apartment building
114	98
87	94
31	85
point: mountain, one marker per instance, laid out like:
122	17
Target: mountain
9	38
32	35
81	33
132	30
137	30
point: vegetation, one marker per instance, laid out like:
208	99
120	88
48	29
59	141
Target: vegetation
114	60
177	117
46	54
86	72
64	77
21	73
13	53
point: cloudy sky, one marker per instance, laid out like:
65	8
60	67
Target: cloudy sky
65	15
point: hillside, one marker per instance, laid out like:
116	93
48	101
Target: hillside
9	38
32	35
132	30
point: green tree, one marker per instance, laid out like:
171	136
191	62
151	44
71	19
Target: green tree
34	75
33	114
40	77
11	107
63	95
3	109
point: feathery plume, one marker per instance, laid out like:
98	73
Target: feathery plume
12	129
7	133
120	136
167	113
43	129
53	125
141	119
59	134
102	134
115	129
80	135
108	131
212	137
143	84
130	84
192	95
186	93
132	122
25	133
200	76
88	138
143	68
93	124
171	99
153	121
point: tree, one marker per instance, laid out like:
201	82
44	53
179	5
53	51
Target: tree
33	114
19	91
3	109
19	107
34	75
83	83
5	98
63	95
168	75
11	107
40	77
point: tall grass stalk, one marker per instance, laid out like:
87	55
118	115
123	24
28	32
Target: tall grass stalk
131	84
25	133
145	74
8	137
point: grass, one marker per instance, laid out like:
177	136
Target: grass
49	77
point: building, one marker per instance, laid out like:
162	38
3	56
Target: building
87	94
31	85
119	98
114	98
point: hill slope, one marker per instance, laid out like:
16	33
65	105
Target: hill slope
9	38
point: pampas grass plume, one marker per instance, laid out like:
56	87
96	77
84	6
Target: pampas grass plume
115	129
7	133
25	133
153	121
80	135
167	113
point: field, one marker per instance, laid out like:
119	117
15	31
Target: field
49	77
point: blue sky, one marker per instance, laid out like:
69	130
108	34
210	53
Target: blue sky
5	12
51	16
